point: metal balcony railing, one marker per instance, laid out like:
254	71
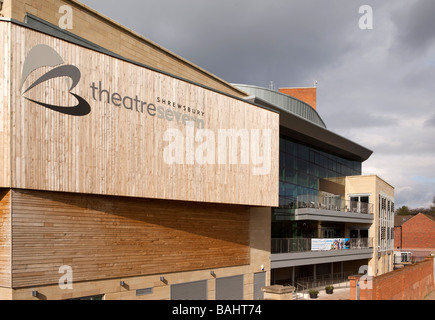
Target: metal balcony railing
334	203
286	245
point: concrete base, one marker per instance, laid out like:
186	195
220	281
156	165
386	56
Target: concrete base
277	292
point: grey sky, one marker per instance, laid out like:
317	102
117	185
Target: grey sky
375	87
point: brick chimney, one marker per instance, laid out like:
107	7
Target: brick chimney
307	95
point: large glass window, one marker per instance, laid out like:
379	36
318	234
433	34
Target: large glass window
300	169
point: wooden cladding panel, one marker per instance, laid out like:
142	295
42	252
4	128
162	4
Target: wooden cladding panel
108	237
5	238
116	151
4	107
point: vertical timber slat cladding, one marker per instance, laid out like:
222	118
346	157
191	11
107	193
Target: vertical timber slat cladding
4	106
5	238
119	147
101	237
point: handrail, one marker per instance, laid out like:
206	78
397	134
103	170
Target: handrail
333	203
304	288
335	278
338	280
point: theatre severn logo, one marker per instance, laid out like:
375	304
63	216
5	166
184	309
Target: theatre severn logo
44	56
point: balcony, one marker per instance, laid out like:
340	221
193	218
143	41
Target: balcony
333	208
284	245
297	252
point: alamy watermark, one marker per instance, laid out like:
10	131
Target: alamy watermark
366	20
66	280
229	146
366	281
66	20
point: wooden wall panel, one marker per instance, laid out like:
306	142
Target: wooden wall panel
5	169
116	151
104	237
5	238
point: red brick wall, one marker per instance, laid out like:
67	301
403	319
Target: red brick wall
418	233
413	282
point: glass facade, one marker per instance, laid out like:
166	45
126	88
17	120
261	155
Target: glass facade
300	169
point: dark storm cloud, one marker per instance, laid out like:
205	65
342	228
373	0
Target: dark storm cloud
415	26
412	43
250	41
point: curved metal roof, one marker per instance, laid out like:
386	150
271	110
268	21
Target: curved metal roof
284	101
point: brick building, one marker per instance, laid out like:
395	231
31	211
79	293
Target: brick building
415	234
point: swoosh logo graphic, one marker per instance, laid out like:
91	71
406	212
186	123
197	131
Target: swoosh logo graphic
43	55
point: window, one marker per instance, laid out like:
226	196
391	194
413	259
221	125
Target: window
364	199
300	169
359	203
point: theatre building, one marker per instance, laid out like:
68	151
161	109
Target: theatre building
119	178
128	172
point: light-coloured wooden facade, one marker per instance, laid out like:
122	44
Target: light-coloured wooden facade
117	151
5	169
